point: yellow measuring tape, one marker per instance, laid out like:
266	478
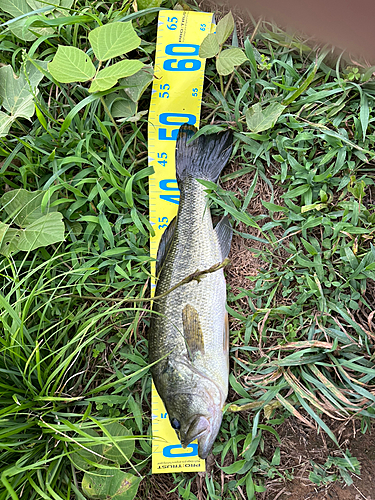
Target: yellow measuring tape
176	99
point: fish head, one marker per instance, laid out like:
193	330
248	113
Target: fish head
196	416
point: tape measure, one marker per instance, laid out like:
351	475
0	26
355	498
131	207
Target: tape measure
176	99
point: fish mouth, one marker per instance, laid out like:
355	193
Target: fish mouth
205	430
198	427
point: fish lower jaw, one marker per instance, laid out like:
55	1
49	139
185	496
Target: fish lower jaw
185	445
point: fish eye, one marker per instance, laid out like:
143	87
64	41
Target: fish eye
175	424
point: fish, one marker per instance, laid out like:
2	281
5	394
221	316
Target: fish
189	332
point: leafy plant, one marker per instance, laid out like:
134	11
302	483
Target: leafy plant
17	94
300	323
260	118
148	4
37	227
212	46
112	484
264	63
22	10
107	482
124	103
322	475
46	417
71	64
353	73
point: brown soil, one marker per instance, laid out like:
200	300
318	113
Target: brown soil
299	446
244	252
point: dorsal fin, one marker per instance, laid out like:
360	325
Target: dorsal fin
192	331
224	234
165	243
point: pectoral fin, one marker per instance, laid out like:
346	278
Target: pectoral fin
192	331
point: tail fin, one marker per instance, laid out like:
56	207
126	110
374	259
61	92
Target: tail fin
203	158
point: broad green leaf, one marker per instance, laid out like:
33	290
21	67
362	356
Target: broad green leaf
24	207
110	484
136	84
71	65
83	456
3	229
5	123
35	4
113	39
259	119
146	4
16	93
108	77
66	3
9	239
45	231
224	28
228	59
209	47
127	446
120	105
137	116
17	8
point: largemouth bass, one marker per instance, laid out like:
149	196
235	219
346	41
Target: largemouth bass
189	327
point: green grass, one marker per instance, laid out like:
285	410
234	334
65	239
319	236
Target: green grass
303	341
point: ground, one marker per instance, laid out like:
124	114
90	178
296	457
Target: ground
300	190
299	447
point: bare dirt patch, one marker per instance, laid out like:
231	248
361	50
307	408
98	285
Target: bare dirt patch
300	446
